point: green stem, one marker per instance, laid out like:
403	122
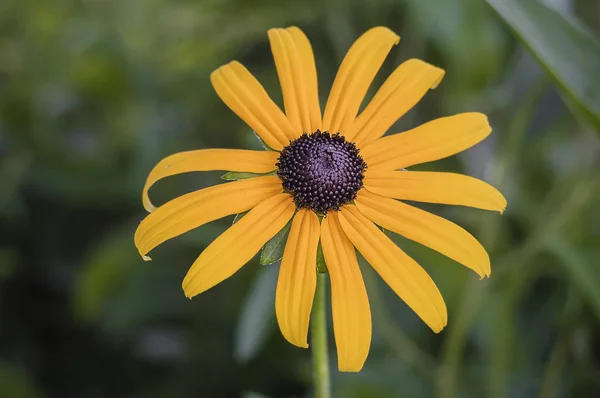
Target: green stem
318	337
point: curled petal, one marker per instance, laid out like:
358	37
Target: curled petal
206	160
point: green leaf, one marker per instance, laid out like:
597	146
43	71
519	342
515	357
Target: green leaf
234	176
321	266
568	52
257	317
273	249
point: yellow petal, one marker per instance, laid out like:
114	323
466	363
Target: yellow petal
435	140
245	96
206	160
297	72
298	278
400	92
349	301
410	282
357	71
426	228
200	207
435	187
236	246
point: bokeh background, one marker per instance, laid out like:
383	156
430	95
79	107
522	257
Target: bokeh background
94	92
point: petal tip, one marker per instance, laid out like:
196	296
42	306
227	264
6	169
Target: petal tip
384	30
436	73
299	344
502	203
146	258
272	32
438	328
484	272
483	119
214	74
187	292
441	73
292	340
443	323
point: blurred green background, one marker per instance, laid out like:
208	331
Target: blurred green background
94	92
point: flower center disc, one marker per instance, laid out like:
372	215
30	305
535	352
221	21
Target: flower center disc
322	171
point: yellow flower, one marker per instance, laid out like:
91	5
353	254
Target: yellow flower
338	166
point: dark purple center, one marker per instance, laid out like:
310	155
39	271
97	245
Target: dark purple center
322	171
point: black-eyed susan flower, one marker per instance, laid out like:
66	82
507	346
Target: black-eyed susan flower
335	179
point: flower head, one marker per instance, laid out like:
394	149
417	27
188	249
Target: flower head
336	180
321	171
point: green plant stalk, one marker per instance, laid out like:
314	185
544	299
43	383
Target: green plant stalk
318	340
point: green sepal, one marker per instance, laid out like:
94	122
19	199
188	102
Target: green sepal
264	145
273	249
321	266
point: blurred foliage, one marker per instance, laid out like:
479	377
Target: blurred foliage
94	92
554	39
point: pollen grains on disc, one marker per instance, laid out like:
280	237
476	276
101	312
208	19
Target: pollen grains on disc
322	171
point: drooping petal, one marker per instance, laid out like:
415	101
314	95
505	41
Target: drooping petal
406	278
298	278
297	72
400	92
349	301
435	187
236	246
435	140
426	228
245	96
200	207
206	160
357	71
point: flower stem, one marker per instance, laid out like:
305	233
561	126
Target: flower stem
318	337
